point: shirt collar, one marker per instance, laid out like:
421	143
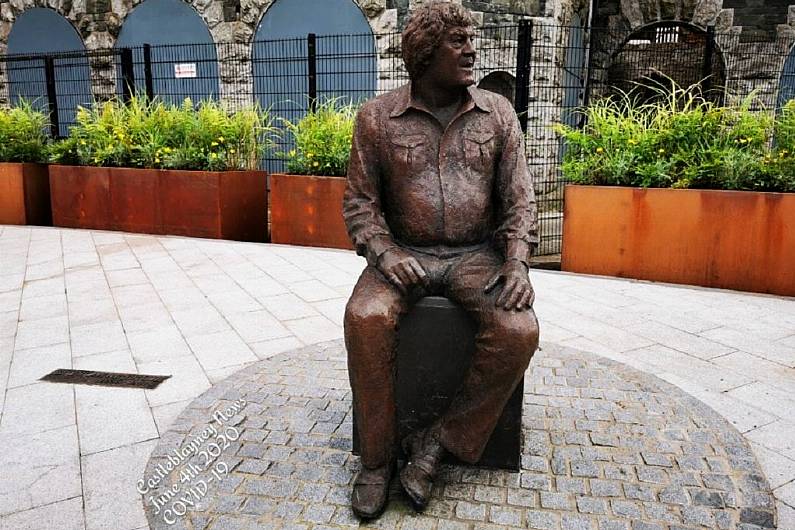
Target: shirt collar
406	100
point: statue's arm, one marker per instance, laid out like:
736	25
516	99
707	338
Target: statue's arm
517	232
361	207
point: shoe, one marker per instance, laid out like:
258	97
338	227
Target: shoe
425	456
371	490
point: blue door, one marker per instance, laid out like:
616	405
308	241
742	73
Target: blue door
786	89
346	57
574	74
40	31
183	57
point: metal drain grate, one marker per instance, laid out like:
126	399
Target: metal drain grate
91	377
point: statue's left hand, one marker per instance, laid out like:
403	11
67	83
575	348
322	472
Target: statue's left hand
517	292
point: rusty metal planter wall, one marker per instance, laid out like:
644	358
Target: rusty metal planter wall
212	204
729	239
307	210
24	194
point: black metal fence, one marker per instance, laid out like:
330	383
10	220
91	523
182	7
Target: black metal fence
548	72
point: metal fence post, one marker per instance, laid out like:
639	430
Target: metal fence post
311	69
127	74
593	37
52	96
706	69
523	54
150	88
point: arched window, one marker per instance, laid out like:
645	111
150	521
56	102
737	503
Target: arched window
183	56
345	48
39	31
663	50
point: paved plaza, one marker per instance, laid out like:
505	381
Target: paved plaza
649	406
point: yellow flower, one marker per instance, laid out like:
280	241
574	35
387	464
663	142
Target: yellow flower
632	141
661	151
310	155
82	142
292	152
214	144
220	138
315	164
232	151
157	160
213	155
743	140
600	150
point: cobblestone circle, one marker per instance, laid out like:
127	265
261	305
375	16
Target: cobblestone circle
605	448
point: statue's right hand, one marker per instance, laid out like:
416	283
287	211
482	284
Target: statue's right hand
402	269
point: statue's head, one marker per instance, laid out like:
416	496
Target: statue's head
437	41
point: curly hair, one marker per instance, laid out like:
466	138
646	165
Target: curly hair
424	31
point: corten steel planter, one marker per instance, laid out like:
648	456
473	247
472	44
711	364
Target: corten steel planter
24	194
728	239
307	210
211	204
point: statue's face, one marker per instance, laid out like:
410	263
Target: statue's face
453	60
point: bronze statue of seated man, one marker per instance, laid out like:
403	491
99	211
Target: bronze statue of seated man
440	202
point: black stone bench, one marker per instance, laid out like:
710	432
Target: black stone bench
435	345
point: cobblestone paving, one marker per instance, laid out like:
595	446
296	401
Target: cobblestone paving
605	448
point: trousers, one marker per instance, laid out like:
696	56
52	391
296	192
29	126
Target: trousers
504	345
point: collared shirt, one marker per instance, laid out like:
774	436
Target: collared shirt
412	182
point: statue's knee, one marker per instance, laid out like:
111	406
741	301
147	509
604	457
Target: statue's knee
369	313
518	332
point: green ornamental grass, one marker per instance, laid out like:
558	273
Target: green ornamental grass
681	140
154	134
23	133
322	140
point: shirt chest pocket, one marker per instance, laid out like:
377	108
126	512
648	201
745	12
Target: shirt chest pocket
479	148
408	152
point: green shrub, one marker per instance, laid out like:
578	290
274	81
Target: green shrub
23	134
153	134
322	140
681	141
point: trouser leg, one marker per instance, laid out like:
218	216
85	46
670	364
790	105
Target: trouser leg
504	344
371	320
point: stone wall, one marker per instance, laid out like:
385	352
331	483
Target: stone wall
235	21
752	63
99	23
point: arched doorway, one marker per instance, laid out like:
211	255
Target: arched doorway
574	72
501	83
346	58
183	57
574	80
653	55
42	31
786	89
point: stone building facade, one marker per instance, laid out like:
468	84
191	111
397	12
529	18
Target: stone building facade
753	37
560	59
99	24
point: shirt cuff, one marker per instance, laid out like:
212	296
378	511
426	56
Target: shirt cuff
518	249
376	246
